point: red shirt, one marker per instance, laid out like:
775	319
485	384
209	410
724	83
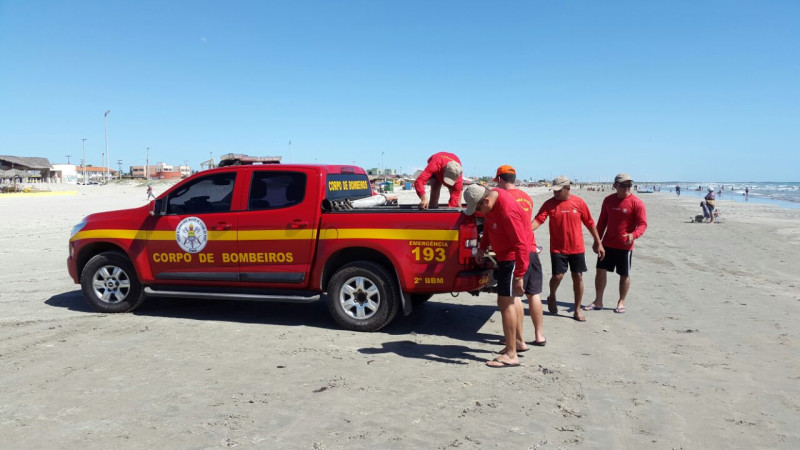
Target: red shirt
619	217
566	236
526	203
508	230
435	169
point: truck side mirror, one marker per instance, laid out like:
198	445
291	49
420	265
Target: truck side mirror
157	207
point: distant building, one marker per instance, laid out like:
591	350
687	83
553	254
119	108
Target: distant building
65	173
161	171
25	169
94	174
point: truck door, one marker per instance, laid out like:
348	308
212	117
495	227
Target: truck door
277	230
194	241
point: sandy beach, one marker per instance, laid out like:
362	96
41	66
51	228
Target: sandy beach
706	356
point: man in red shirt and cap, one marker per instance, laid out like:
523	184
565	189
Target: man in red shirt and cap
508	231
506	178
566	213
443	169
623	218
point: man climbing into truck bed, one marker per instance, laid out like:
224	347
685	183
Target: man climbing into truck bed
443	169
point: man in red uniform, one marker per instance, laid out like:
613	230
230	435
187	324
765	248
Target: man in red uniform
506	178
622	219
508	232
566	213
443	169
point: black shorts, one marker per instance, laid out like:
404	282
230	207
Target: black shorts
559	262
504	275
532	281
616	258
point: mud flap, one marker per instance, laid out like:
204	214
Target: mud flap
407	307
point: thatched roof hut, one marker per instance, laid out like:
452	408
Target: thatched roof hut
24	167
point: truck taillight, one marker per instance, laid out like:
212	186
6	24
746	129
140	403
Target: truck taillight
468	239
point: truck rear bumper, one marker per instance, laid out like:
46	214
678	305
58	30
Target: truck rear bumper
471	280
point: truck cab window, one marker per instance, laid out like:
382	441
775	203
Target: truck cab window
204	195
273	190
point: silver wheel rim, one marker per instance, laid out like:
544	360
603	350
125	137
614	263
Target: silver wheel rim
360	298
111	284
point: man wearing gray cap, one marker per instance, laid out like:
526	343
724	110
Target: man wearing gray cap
509	233
622	219
566	213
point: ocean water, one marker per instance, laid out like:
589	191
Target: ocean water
785	194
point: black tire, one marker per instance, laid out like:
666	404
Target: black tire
418	299
110	284
363	296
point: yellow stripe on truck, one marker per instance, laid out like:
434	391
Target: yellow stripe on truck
388	233
279	235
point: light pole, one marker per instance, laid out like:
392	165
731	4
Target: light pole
147	165
382	168
105	119
68	158
84	160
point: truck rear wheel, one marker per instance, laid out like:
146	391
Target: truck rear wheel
363	296
110	284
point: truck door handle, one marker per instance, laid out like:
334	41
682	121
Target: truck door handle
298	223
222	226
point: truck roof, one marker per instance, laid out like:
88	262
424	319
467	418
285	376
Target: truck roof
325	168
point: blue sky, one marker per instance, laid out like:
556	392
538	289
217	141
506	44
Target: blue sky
672	90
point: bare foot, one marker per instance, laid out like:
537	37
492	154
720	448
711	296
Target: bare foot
520	349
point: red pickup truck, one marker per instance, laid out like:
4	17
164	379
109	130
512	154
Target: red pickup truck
268	232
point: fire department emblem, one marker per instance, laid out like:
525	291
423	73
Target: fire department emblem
192	235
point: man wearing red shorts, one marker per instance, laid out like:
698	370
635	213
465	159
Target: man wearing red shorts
508	232
566	213
506	178
443	169
622	219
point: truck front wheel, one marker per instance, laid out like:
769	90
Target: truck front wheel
110	285
363	296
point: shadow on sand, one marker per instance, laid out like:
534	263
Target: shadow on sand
442	316
454	320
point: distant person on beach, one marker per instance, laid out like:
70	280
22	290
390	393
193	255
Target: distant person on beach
678	190
622	220
506	177
710	203
443	169
508	232
150	192
746	193
566	213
